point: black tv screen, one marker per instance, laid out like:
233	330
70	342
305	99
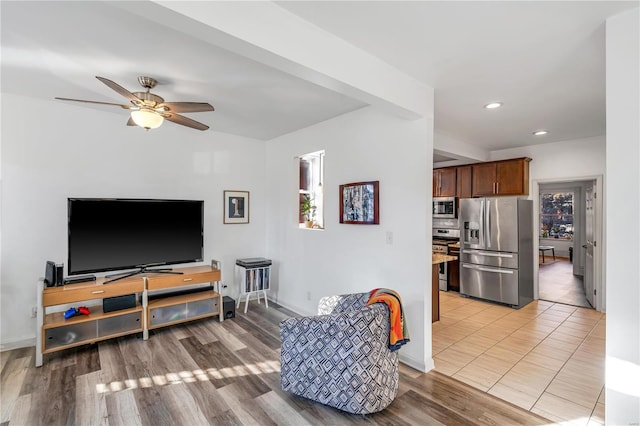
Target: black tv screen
113	234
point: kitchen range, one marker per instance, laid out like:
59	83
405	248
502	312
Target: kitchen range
446	240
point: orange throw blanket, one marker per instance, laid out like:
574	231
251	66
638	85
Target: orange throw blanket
398	333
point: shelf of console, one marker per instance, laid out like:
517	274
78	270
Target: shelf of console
92	328
170	310
57	319
187	307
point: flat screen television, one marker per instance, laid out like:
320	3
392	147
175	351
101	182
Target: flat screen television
117	234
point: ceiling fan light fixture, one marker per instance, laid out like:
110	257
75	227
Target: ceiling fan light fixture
147	118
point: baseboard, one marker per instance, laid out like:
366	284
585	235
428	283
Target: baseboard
17	344
297	310
416	364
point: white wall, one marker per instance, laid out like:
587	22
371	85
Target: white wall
560	160
622	224
360	146
75	151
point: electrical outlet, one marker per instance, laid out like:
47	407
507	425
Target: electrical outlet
34	312
389	237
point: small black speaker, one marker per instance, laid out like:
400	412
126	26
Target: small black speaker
50	274
59	274
118	303
228	307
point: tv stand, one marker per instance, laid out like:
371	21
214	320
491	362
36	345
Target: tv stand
55	333
143	270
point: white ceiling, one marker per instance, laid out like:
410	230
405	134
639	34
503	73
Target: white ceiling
544	60
59	50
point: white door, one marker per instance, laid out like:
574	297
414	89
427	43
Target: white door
588	267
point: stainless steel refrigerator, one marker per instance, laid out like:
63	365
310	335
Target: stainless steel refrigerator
496	249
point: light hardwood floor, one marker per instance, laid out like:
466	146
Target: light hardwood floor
546	357
214	373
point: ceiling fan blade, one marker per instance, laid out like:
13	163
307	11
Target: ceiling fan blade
124	92
186	106
96	102
185	121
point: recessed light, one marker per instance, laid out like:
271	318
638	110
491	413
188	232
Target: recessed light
493	105
540	132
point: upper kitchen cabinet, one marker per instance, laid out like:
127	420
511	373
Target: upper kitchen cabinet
444	182
463	184
507	177
483	179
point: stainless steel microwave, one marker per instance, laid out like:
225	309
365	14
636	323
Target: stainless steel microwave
444	207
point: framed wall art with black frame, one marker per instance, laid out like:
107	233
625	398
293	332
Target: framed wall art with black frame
236	207
360	203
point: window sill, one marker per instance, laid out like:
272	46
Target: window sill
302	226
570	240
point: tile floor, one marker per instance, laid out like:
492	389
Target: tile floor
545	357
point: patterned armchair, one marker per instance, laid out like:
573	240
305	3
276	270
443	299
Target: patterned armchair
341	357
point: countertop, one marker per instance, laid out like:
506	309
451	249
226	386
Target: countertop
441	258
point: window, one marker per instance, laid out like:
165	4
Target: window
311	199
556	215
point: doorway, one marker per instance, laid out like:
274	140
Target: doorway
558	284
567	228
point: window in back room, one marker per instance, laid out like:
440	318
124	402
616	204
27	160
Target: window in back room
311	194
556	215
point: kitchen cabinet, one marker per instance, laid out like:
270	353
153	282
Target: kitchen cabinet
463	182
444	182
506	177
436	260
435	294
483	179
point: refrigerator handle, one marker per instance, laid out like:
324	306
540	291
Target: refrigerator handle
486	269
489	220
481	238
487	223
490	253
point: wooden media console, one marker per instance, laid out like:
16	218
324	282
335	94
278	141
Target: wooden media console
55	333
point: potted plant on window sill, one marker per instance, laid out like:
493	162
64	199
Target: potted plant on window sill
308	210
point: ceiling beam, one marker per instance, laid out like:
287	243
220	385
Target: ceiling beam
273	36
464	152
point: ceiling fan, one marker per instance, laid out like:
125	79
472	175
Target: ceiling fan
149	110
